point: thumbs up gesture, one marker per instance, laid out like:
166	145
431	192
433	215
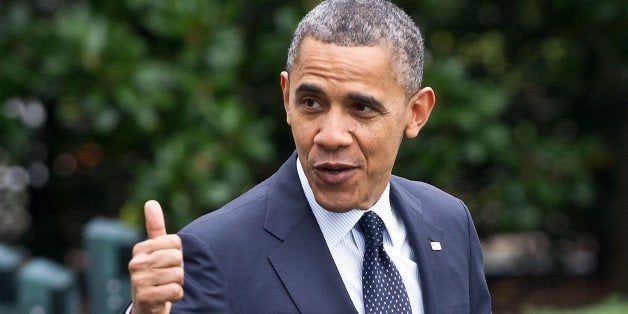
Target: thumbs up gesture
156	268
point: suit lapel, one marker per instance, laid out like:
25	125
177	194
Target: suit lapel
303	261
431	263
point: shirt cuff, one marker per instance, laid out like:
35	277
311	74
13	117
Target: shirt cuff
128	309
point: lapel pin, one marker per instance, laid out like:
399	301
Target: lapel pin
436	246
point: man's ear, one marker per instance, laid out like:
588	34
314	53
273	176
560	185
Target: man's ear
285	89
421	105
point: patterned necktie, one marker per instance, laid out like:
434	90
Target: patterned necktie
383	289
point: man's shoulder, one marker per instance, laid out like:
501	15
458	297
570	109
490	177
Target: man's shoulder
422	190
428	199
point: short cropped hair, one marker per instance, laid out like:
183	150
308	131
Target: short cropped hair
353	23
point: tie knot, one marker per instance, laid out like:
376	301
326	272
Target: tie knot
372	227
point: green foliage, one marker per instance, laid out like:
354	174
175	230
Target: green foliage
508	134
153	85
612	305
179	101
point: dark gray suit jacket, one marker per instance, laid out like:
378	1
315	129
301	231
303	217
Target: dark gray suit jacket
265	253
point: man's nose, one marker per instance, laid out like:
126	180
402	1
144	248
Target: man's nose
335	130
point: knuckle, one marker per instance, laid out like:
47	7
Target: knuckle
139	247
175	241
179	294
180	275
176	257
137	263
134	266
176	291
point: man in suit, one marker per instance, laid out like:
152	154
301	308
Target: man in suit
332	231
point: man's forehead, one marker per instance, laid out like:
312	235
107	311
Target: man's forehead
312	40
312	49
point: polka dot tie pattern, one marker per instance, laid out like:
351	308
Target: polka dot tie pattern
383	289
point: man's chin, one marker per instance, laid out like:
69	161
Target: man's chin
336	204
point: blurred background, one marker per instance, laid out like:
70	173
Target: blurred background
105	104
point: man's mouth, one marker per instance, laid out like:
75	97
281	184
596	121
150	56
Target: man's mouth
334	173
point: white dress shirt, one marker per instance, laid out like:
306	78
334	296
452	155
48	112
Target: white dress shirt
346	244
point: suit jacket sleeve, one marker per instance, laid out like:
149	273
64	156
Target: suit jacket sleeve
203	287
479	297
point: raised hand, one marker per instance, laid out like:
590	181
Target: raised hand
156	268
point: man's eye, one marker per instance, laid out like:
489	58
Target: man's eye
310	103
362	107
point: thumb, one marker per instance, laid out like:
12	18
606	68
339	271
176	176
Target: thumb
155	225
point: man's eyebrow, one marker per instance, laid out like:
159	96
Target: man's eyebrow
311	88
367	100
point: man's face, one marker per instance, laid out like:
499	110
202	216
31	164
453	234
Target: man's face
348	115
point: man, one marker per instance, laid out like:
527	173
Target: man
332	231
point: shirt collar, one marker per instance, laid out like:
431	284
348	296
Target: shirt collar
335	226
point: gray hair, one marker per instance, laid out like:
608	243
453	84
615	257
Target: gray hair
352	23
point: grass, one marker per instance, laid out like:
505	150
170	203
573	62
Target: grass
615	304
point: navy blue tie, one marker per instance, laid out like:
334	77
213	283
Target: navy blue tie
382	287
